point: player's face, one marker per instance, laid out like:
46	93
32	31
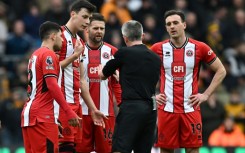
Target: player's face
58	41
175	27
96	31
81	19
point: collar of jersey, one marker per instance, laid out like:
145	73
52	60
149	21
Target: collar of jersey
102	43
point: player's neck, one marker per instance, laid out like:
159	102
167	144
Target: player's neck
178	42
71	28
47	45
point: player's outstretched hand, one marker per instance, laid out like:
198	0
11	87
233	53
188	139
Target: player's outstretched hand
75	122
161	99
78	48
98	118
197	99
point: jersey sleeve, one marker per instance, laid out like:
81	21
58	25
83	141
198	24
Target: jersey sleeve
208	54
50	64
157	48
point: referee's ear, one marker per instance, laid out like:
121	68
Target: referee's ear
142	36
125	39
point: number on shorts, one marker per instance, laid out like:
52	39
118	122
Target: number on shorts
196	127
107	134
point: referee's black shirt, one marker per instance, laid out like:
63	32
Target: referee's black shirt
139	70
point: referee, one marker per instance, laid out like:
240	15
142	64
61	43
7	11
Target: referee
139	73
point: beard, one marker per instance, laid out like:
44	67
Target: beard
96	40
57	48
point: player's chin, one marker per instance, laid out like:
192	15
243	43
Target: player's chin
99	39
174	36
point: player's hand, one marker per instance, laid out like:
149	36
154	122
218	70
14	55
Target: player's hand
116	75
161	99
100	73
78	48
98	118
75	122
197	99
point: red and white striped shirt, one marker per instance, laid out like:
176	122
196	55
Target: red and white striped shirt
179	72
101	91
40	106
70	82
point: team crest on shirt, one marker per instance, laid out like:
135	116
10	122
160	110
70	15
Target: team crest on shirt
189	53
49	62
105	55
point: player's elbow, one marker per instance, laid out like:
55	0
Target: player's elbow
222	73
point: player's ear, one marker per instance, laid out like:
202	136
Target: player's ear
184	23
53	36
73	13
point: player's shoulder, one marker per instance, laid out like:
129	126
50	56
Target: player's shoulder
113	48
43	50
110	46
197	42
159	44
44	53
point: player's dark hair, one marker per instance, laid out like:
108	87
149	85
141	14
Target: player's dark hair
97	17
47	28
175	12
79	4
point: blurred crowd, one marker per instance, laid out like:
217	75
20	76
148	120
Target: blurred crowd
219	23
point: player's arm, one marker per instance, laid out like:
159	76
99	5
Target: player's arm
116	90
77	53
97	116
56	93
220	73
161	97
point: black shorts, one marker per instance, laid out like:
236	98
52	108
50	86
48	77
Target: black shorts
135	127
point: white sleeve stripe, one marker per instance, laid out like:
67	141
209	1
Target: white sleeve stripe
50	75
